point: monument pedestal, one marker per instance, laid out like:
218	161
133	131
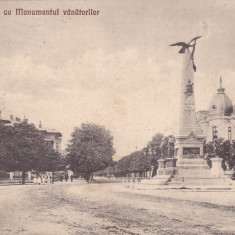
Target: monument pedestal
230	174
170	166
196	173
189	149
166	169
166	166
196	168
216	169
161	167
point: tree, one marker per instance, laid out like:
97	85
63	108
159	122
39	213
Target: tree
90	149
221	148
141	161
231	159
22	148
110	170
209	148
19	145
7	148
53	161
30	149
154	151
124	165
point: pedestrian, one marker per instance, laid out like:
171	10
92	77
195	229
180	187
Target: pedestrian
71	178
61	178
35	179
43	179
66	177
39	181
49	179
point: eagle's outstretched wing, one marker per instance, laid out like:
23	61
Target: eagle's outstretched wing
182	44
186	46
195	39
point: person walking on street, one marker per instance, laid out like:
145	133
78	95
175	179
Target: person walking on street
43	179
49	179
39	181
35	179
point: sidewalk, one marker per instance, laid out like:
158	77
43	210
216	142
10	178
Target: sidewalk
218	197
16	182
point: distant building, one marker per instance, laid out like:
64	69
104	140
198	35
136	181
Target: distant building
52	138
219	120
3	120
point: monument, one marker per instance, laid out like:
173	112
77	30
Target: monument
191	167
188	167
189	139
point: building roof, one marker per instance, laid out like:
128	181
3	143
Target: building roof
3	120
50	131
221	103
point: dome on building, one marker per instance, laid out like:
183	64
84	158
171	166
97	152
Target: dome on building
221	104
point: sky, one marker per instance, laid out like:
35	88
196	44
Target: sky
115	69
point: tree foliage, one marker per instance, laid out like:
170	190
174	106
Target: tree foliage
154	150
221	148
90	149
136	162
22	148
141	161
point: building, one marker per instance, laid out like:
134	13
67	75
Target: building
52	138
3	120
219	120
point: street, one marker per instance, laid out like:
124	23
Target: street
81	208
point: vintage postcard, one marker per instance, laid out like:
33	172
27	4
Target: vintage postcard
117	117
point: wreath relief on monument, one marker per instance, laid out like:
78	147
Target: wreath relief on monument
189	89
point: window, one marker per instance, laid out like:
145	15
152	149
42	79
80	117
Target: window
229	133
57	146
214	132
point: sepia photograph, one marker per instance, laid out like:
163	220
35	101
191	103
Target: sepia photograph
117	117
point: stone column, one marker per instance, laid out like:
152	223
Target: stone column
189	141
187	103
188	121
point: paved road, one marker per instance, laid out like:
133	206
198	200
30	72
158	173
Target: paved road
79	208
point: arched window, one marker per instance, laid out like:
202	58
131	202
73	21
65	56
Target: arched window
214	132
229	133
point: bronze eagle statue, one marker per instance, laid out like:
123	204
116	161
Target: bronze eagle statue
184	45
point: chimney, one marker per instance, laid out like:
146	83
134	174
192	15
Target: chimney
25	120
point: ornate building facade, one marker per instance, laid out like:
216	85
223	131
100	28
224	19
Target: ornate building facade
219	120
